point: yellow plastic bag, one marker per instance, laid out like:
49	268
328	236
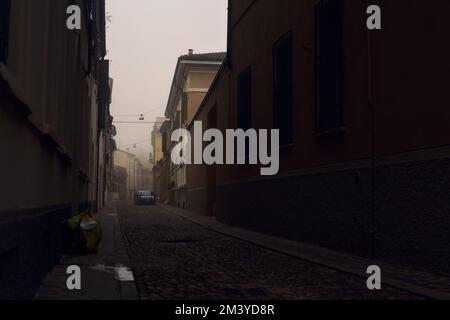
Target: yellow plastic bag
90	230
93	238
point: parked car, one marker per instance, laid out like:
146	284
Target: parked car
144	197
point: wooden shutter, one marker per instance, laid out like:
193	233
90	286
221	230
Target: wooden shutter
5	8
245	99
282	83
328	18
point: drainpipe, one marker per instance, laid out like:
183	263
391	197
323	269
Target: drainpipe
371	104
229	32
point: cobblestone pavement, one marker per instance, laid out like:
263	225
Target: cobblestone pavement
173	258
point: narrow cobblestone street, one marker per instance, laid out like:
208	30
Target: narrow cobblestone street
249	155
173	258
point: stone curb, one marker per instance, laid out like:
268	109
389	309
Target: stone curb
344	263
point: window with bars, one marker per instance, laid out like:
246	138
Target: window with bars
5	8
282	87
244	102
328	65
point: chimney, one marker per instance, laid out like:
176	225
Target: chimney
191	52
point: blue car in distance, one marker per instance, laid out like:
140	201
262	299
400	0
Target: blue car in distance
144	198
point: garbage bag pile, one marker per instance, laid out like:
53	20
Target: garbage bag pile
82	235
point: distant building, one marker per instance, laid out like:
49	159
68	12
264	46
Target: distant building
138	175
160	171
119	184
157	140
147	176
193	76
127	161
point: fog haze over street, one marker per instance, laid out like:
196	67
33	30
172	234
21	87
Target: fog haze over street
145	38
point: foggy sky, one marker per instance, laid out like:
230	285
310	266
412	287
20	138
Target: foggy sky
144	40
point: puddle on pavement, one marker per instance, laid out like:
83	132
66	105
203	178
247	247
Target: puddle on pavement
121	272
124	274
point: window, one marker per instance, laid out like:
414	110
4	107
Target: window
5	7
282	88
245	99
328	67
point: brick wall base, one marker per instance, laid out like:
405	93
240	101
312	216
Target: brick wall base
407	207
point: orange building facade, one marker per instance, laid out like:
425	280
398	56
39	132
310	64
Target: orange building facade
364	157
193	76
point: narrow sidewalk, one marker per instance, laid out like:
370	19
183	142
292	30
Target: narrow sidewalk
432	286
104	276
